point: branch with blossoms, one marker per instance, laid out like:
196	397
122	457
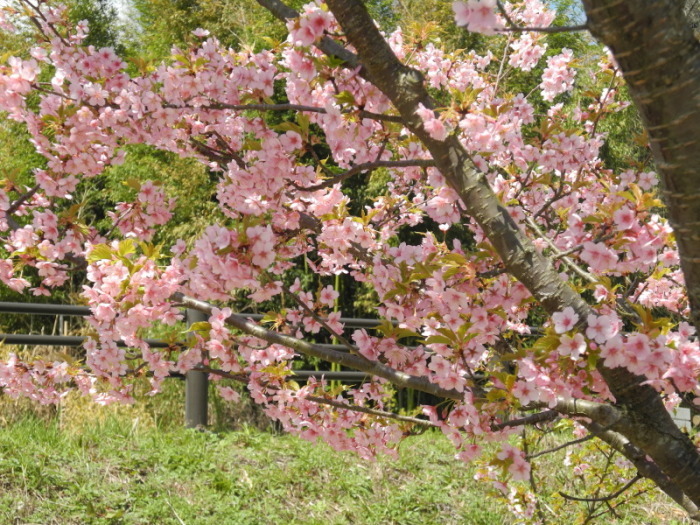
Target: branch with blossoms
440	291
291	107
404	87
560	255
335	334
331	402
515	28
362	364
605	415
326	44
22	199
480	16
367	167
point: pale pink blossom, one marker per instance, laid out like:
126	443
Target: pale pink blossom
565	320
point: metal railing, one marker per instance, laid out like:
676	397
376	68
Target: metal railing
196	382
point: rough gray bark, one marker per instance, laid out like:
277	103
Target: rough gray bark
642	420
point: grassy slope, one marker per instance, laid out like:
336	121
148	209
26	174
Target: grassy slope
84	464
116	474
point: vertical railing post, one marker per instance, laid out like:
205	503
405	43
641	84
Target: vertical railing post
196	386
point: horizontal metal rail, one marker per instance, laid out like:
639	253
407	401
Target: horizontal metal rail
64	340
76	340
69	309
61	340
44	309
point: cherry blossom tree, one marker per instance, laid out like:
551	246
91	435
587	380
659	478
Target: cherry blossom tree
575	294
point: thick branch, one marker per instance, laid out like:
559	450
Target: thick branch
605	415
357	362
646	468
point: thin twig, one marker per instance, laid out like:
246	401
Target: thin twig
609	497
177	517
565	445
552	29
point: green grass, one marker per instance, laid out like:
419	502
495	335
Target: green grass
113	474
83	464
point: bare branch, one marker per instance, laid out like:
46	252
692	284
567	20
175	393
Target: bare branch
540	417
644	466
560	447
604	498
371	411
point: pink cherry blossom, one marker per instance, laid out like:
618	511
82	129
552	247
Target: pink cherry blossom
477	15
565	320
601	328
572	346
558	77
